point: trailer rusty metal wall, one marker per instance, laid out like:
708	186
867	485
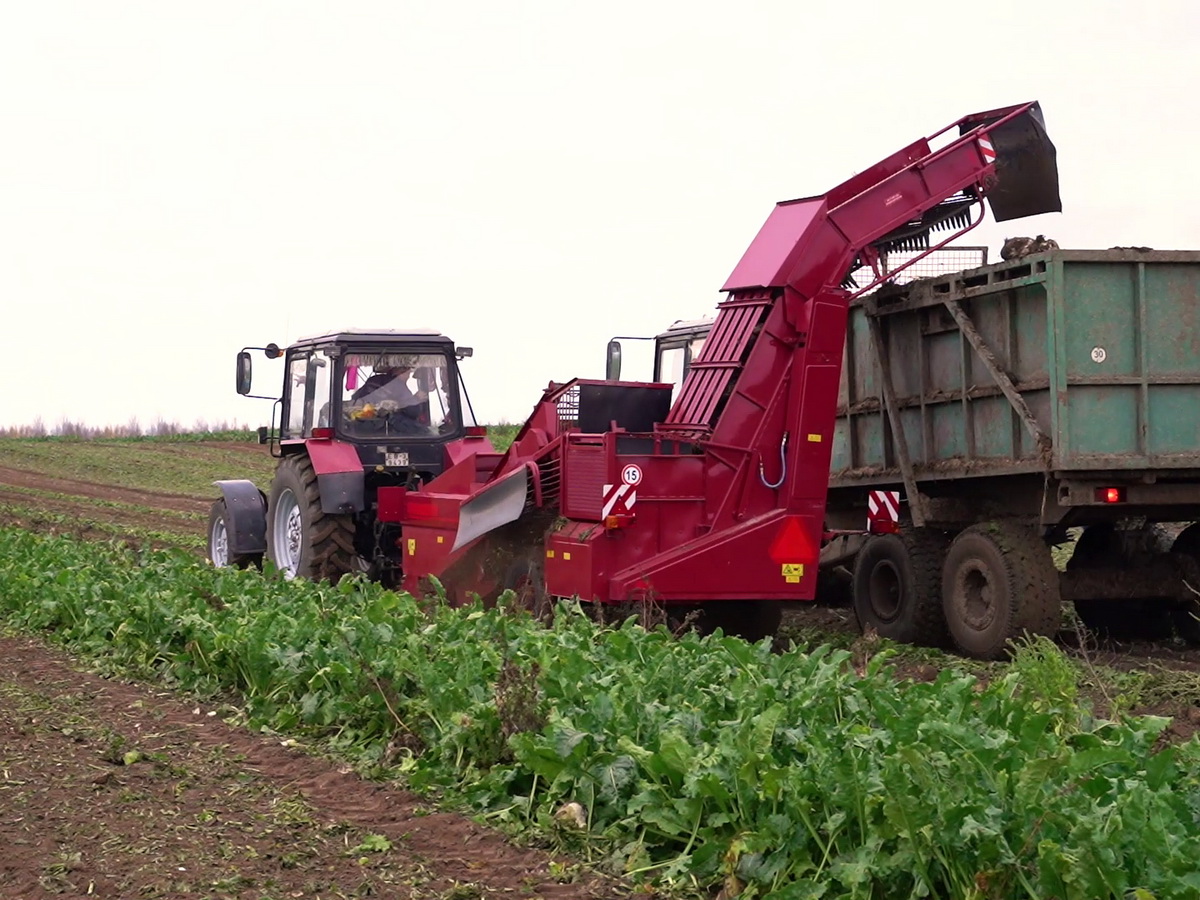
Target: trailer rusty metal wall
1101	349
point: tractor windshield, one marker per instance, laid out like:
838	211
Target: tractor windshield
389	394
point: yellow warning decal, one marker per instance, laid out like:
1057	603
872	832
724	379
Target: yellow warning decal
793	572
549	554
814	439
412	546
567	555
441	540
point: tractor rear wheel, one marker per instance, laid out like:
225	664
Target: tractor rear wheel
896	586
999	582
302	540
218	541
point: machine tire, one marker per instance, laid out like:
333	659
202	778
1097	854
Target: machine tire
306	542
218	542
896	586
1186	617
1103	545
999	582
526	579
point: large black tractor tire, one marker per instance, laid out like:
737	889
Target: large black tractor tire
1103	546
999	582
896	586
1186	617
303	541
219	539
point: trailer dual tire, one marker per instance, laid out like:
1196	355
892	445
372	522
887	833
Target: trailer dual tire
302	540
896	586
220	538
999	582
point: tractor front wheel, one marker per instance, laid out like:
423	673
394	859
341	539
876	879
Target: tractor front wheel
219	553
302	540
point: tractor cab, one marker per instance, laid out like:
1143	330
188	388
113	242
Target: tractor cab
674	352
374	389
362	418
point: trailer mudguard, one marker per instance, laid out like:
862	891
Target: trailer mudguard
245	516
340	478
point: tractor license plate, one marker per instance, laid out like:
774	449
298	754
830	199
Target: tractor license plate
395	459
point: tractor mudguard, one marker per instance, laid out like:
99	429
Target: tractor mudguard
246	516
341	492
340	478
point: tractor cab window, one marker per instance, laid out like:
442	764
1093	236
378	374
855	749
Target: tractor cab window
674	359
307	392
391	394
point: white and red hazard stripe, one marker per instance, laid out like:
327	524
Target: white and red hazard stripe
986	148
883	510
619	499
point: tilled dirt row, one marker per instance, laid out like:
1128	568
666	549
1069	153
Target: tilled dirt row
115	790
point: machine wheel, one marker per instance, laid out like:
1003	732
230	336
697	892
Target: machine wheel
303	541
1186	617
896	586
526	579
218	541
999	581
1104	546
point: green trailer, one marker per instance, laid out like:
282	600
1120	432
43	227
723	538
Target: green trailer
1047	400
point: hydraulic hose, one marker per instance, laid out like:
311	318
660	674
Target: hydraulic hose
762	475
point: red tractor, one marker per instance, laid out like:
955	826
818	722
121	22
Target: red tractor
713	496
364	417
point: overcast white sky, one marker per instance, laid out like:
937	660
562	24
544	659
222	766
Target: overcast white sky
178	180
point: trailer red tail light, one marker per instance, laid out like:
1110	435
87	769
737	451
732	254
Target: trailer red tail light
1110	495
322	434
476	431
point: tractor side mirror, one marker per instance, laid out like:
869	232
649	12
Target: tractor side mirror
612	371
243	372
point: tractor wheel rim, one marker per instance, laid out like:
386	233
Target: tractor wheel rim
289	534
977	597
219	542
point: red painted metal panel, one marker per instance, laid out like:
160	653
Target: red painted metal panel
585	472
333	456
777	246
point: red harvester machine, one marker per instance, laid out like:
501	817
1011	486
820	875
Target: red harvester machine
613	494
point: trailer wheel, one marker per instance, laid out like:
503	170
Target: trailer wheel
302	540
527	580
218	542
1186	617
895	586
999	582
1104	546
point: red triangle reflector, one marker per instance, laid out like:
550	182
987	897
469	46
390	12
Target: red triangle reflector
792	544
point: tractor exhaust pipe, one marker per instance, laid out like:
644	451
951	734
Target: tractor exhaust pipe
1026	163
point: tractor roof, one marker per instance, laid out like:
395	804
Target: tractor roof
377	336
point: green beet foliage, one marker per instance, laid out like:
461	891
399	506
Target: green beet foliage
697	760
